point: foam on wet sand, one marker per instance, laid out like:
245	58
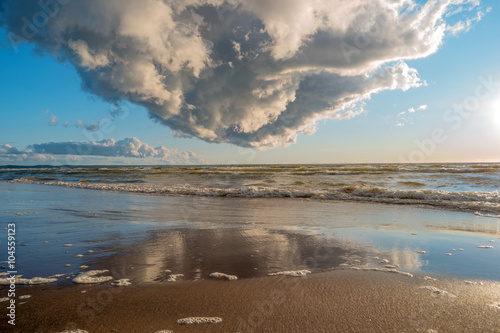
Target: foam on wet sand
437	292
90	277
174	277
199	320
121	282
301	272
218	275
20	280
377	269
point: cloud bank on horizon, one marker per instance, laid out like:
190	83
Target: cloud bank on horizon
250	73
71	151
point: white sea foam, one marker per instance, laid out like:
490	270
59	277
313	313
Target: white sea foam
174	277
474	282
56	275
435	291
301	272
199	320
378	269
164	331
487	215
4	299
24	297
121	282
20	280
90	277
218	275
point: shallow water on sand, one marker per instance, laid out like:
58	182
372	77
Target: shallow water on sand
147	238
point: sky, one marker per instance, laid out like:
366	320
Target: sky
249	82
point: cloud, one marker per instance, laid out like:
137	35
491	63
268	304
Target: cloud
420	108
126	148
10	153
251	73
52	119
93	127
403	118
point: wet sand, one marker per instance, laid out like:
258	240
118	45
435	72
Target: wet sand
339	301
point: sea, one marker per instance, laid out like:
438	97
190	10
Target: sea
147	222
473	188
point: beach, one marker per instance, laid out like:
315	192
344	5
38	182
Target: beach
367	267
250	166
340	301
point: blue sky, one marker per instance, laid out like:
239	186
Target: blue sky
43	100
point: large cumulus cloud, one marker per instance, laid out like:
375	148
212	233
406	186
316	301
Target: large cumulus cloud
254	73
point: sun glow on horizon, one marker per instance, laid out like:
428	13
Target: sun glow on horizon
495	112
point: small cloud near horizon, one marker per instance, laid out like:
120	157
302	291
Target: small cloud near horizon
110	148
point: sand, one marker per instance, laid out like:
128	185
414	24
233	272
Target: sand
339	301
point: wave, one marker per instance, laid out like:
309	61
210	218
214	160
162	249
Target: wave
487	215
484	202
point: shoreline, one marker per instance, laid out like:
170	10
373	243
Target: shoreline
338	301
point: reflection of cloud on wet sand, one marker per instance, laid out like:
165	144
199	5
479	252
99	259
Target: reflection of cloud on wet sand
406	259
243	252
